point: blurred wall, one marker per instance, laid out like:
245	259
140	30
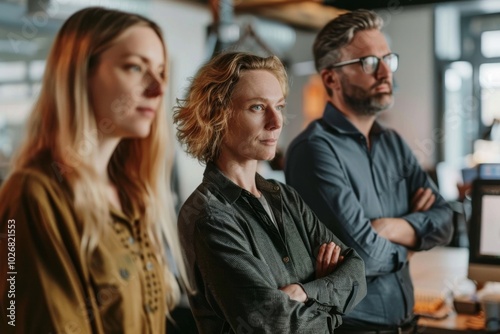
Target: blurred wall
184	25
410	31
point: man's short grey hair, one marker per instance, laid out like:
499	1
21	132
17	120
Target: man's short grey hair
339	32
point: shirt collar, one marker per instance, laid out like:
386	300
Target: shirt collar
230	190
337	120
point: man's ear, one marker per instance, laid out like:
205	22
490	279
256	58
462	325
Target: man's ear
331	79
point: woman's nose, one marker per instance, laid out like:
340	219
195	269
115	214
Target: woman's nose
275	119
154	86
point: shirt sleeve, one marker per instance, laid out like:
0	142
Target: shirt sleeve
345	287
433	227
47	292
313	169
241	287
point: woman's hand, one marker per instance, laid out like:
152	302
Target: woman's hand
295	292
328	259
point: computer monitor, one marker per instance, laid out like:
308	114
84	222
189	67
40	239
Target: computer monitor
489	171
484	231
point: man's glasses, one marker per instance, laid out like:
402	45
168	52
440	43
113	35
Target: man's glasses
371	63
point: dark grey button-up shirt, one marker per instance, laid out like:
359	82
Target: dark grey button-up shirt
238	259
347	185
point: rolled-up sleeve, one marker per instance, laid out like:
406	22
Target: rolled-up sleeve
433	227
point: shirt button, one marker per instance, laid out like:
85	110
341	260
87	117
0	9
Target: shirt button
276	188
286	259
149	266
131	240
124	273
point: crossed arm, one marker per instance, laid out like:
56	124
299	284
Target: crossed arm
327	260
317	172
299	307
398	230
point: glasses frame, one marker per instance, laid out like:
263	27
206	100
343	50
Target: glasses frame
362	61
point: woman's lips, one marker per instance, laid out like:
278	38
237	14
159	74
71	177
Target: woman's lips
146	111
270	141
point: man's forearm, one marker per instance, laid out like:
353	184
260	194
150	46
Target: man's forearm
396	230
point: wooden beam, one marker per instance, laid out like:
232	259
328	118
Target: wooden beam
304	14
256	4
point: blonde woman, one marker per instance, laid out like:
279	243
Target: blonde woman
86	209
259	258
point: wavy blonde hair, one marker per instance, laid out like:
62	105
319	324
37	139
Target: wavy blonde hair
62	125
202	118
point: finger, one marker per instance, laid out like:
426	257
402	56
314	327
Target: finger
416	196
328	255
319	259
335	258
429	203
341	258
424	197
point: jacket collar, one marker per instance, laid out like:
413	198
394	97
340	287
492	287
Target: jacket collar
230	190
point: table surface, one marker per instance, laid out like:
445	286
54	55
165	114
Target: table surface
436	270
439	267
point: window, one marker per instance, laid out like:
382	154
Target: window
470	84
489	80
490	47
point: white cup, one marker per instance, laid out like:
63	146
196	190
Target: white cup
491	306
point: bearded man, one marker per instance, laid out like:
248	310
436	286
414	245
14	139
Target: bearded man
361	179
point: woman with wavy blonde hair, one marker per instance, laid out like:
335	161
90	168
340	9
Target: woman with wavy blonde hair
87	206
203	118
288	273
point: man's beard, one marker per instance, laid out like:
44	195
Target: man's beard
361	102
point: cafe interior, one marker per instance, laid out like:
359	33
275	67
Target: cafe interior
447	108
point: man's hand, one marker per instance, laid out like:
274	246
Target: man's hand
327	260
422	200
295	292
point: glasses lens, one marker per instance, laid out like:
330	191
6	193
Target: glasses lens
392	61
370	64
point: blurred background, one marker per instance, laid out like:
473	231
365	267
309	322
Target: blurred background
447	87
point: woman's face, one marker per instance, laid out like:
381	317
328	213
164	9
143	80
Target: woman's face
127	84
258	104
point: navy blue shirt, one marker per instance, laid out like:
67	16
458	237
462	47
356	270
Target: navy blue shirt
347	185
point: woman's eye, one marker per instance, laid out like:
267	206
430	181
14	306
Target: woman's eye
257	107
280	107
134	67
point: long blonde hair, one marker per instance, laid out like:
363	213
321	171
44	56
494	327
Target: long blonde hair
202	118
62	125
